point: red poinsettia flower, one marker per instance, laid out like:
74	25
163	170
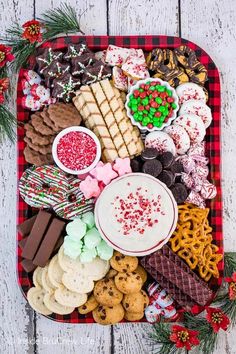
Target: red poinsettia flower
4	84
232	286
5	55
33	31
217	318
184	337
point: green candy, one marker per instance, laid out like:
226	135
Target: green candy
131	97
140	118
156	123
136	116
71	247
152	88
150	96
152	109
87	255
169	92
134	101
88	218
139	99
145	111
92	238
145	101
134	108
158	100
129	104
174	105
160	88
141	90
104	251
161	109
76	229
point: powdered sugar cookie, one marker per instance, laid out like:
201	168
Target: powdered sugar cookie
37	277
97	269
160	141
190	91
55	307
65	297
77	282
193	125
198	108
35	297
67	263
180	137
55	272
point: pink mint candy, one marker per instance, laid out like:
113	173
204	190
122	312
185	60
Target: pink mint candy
203	171
122	166
196	198
90	188
187	180
105	173
208	190
197	182
93	172
188	164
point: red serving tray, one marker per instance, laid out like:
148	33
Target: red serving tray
213	145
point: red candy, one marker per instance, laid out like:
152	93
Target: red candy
76	150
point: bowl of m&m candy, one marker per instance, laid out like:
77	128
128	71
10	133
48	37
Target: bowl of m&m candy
152	104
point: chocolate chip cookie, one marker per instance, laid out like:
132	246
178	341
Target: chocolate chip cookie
127	283
123	263
106	292
108	315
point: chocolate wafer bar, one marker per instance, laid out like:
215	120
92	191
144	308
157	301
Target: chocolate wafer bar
36	235
174	275
25	228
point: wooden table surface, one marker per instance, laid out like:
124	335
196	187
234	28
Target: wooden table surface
209	23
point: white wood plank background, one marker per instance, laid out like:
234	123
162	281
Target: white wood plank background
209	23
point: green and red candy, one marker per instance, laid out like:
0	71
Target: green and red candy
152	104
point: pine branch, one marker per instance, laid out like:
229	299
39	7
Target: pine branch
7	124
60	20
230	263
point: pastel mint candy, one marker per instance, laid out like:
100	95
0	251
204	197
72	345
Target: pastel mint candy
88	218
104	251
76	229
92	238
87	255
71	247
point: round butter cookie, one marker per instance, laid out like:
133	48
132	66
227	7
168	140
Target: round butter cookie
55	307
69	298
35	297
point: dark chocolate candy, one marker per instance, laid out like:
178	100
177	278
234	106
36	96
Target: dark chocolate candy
78	64
166	177
22	243
54	71
65	87
76	50
152	167
166	159
149	154
36	235
180	192
177	167
48	244
25	228
28	265
136	165
46	58
96	72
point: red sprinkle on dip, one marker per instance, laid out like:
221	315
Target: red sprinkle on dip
76	150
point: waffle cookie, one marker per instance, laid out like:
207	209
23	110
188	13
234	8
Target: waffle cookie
102	109
177	278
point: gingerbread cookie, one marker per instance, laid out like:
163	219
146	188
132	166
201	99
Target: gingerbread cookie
108	315
106	292
123	263
128	283
64	115
35	158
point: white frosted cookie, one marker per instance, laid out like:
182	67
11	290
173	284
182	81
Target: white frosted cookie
193	125
37	277
199	108
55	307
77	282
46	283
190	91
119	79
55	272
160	141
35	297
180	137
69	298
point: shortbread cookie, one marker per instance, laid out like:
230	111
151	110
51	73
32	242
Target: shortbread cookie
123	263
46	283
37	277
52	304
55	272
77	282
106	292
89	305
67	263
69	298
128	283
108	315
35	297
